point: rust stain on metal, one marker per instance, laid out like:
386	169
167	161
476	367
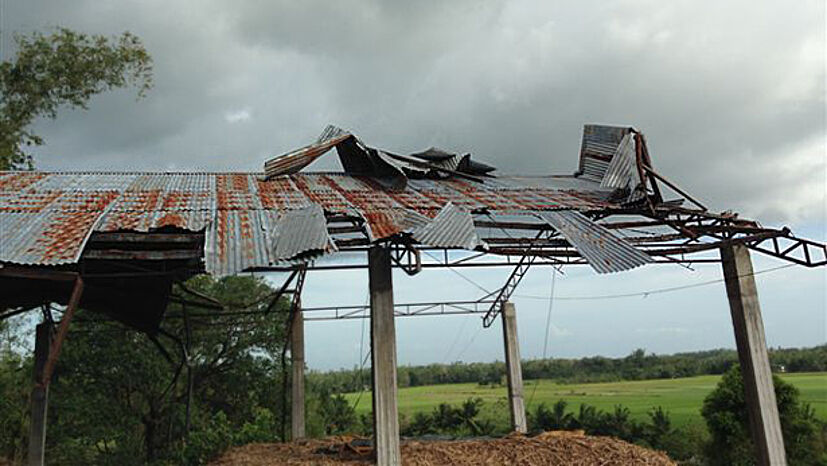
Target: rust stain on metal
18	181
28	201
171	219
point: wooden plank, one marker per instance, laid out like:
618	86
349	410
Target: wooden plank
752	353
106	237
36	273
118	254
54	349
383	357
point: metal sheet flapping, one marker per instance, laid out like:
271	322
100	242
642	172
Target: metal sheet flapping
622	171
451	228
599	145
299	235
294	161
604	250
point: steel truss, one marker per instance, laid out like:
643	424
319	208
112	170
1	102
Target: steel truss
400	310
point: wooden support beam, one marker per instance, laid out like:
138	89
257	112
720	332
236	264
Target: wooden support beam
40	397
108	237
514	371
759	391
297	416
118	254
383	358
54	350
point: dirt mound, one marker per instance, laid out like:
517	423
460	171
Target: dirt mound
563	448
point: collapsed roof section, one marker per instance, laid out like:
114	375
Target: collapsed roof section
390	170
250	221
129	232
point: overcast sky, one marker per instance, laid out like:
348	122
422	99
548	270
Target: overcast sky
731	96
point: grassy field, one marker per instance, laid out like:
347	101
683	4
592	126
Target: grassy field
681	397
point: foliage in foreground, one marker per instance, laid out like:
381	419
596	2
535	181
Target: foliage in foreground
725	413
120	397
65	68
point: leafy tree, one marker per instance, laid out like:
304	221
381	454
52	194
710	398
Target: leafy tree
555	418
65	68
118	399
725	413
659	426
337	415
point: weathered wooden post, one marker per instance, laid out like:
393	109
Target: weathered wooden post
514	372
40	396
383	358
297	360
46	353
752	354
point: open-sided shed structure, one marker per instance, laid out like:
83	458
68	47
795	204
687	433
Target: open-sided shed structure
116	242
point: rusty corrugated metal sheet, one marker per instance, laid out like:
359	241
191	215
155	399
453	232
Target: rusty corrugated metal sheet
451	228
622	172
45	218
383	223
294	161
300	234
599	145
604	250
236	240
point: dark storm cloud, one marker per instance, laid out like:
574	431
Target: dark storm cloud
730	94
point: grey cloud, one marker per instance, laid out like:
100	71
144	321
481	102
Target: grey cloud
730	95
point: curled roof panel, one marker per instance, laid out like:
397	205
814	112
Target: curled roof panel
604	250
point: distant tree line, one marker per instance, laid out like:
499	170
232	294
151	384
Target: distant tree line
636	366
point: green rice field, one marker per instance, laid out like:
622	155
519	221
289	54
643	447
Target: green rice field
681	397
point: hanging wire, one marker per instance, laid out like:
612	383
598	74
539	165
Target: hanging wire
467	279
548	330
364	359
456	340
644	294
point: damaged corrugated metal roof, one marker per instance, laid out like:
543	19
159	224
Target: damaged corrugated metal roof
256	220
605	251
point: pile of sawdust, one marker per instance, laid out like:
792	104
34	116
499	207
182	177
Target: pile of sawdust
563	448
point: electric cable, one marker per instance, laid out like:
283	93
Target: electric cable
645	294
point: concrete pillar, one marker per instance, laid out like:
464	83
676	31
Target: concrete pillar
752	354
514	370
40	397
383	358
297	359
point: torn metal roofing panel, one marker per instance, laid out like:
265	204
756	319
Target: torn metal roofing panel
451	228
622	170
604	250
622	173
300	234
146	221
599	145
294	161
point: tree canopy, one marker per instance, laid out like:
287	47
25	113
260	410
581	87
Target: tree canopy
725	413
62	69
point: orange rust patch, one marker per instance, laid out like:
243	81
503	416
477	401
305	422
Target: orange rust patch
19	181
